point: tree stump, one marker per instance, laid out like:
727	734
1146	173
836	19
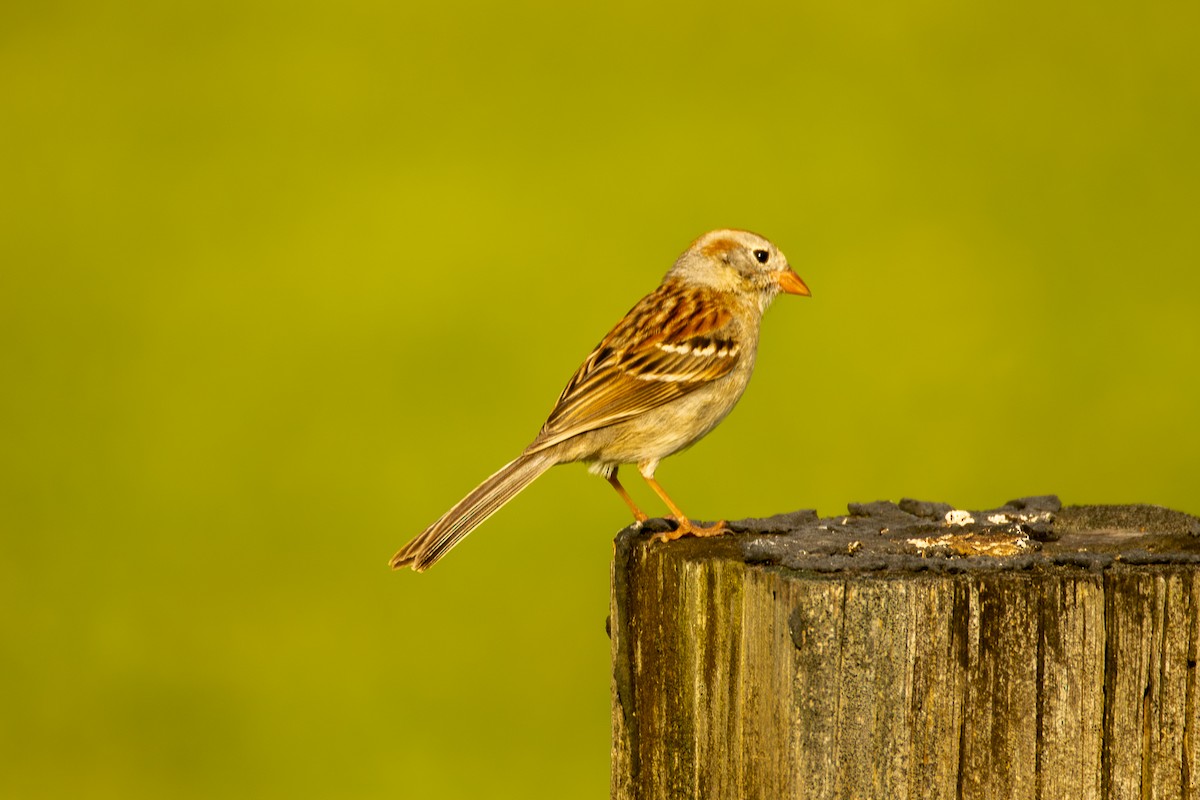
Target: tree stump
911	651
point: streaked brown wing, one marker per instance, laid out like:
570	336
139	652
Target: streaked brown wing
672	342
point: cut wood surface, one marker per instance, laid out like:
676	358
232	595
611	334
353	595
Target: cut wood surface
911	651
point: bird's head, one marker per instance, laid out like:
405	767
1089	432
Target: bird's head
738	261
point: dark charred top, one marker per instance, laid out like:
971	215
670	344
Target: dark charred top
915	535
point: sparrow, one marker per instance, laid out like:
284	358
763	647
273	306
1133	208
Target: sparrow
661	379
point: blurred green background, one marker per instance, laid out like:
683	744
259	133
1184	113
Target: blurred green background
280	282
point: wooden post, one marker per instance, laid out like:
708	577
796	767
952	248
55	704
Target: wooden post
911	651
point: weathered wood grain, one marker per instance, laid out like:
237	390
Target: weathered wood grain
867	656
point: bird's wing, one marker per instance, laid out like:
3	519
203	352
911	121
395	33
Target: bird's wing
672	342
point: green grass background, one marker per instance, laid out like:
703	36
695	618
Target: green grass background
279	282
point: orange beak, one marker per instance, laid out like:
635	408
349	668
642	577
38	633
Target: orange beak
788	281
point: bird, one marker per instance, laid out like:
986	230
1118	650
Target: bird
662	379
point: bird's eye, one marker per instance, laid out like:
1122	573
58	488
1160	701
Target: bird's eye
762	256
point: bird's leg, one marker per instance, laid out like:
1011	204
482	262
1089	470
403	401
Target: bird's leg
638	514
685	526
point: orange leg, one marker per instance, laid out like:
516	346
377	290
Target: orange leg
686	526
638	514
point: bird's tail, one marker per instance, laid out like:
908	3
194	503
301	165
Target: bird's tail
486	499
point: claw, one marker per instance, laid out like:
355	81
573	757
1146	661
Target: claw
685	527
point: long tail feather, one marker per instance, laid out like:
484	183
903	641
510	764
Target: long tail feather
486	499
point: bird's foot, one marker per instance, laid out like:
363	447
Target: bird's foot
685	527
